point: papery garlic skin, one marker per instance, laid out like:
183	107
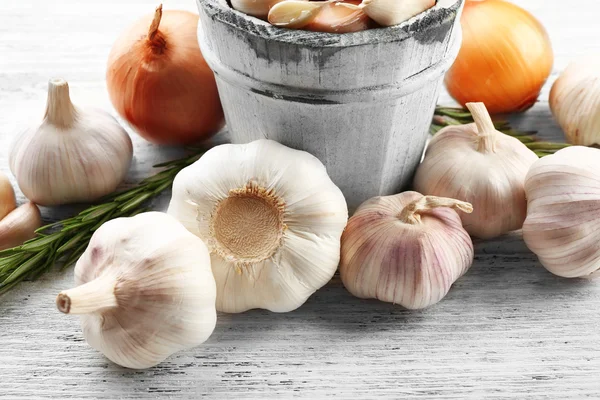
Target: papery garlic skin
294	14
19	225
145	290
8	202
563	216
483	167
256	8
74	155
414	263
575	101
271	218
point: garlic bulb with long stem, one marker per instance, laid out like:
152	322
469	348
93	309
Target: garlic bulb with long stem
575	101
144	290
394	12
563	212
480	165
19	225
271	218
8	202
406	249
80	154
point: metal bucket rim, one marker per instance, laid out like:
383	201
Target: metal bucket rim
443	12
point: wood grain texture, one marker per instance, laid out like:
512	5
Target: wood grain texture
508	328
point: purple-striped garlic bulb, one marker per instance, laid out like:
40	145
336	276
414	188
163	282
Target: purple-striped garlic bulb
563	212
405	249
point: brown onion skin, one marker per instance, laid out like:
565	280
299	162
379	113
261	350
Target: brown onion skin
163	86
505	58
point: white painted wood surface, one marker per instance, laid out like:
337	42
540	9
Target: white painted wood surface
508	329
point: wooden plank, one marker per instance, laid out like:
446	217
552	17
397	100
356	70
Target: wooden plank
507	329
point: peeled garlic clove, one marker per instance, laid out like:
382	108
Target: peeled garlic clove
480	165
337	17
575	101
271	218
256	8
8	202
563	211
294	14
406	249
19	226
394	12
80	154
144	290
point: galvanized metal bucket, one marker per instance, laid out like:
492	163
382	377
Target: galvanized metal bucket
361	102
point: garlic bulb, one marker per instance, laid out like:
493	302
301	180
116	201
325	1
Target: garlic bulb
144	290
256	8
563	214
272	219
480	165
406	249
394	12
294	14
8	202
19	225
80	154
575	101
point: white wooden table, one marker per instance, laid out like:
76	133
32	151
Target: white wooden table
507	329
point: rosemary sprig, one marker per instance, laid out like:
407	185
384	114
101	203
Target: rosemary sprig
65	241
446	116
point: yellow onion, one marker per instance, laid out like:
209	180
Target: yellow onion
159	82
505	58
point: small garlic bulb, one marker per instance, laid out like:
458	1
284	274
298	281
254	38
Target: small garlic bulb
144	290
406	249
19	225
74	155
480	165
272	219
394	12
562	225
8	202
575	101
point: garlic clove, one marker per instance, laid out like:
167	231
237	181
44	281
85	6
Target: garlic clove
294	14
255	8
394	12
8	202
338	17
271	218
406	249
575	101
19	226
563	211
144	290
482	166
81	154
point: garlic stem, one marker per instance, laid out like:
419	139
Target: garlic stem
60	111
88	298
153	30
411	214
485	127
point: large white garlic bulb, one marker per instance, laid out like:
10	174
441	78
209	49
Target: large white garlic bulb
405	249
575	101
272	219
144	291
480	165
74	155
563	211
